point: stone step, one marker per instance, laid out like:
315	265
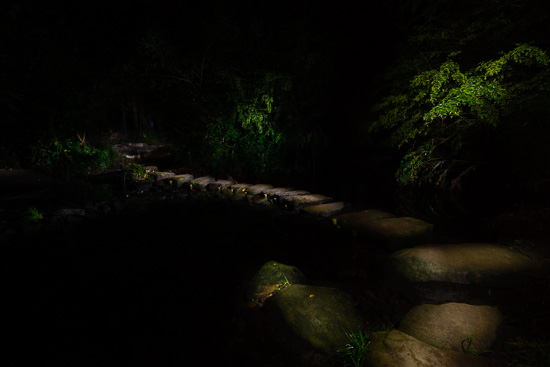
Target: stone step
158	176
181	180
326	210
299	201
258	189
457	272
200	183
219	185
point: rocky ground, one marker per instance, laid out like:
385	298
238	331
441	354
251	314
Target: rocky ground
159	275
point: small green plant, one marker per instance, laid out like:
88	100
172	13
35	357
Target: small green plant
467	347
355	350
134	172
69	158
33	215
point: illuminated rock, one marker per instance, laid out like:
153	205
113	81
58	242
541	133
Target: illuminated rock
314	317
219	185
455	326
258	189
200	183
397	349
326	210
457	272
180	180
300	201
158	176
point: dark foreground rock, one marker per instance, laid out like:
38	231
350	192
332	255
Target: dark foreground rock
315	318
455	326
397	349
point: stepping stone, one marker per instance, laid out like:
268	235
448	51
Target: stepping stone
314	317
219	185
300	201
397	349
150	169
239	187
159	176
276	192
356	221
397	233
463	263
456	326
457	272
258	189
180	180
200	183
326	210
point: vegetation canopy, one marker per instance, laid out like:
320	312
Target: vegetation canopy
437	120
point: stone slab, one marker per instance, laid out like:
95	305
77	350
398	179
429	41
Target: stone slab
300	201
357	220
159	176
397	233
258	189
180	180
483	264
219	185
200	183
326	210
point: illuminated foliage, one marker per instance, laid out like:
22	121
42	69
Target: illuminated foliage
436	118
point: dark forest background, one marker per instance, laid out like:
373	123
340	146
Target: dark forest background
295	90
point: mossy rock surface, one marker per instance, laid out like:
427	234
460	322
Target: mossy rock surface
271	277
314	318
454	326
397	349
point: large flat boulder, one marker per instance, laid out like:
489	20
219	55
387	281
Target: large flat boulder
180	180
314	318
397	349
457	272
463	263
455	326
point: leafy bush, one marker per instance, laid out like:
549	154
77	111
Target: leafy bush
440	117
70	159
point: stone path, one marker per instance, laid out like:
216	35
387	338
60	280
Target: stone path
445	328
448	332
